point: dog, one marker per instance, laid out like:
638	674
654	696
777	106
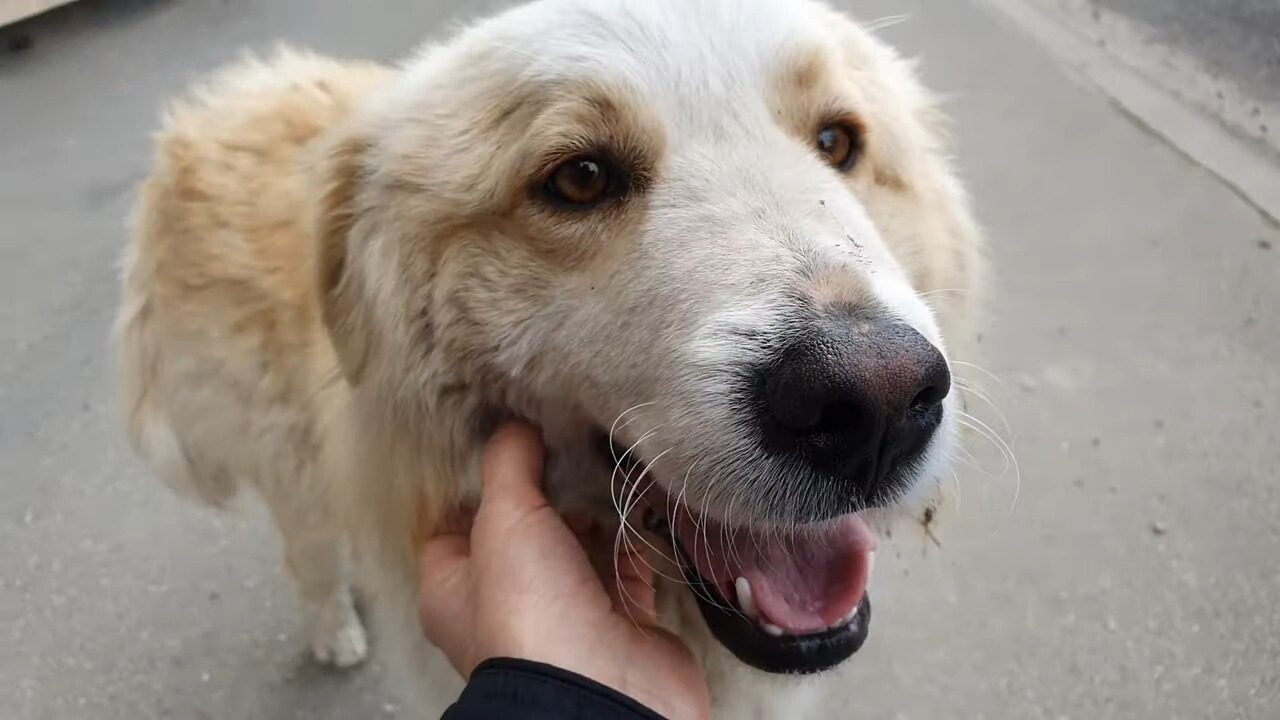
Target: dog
714	249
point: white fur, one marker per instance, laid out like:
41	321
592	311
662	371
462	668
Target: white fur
573	321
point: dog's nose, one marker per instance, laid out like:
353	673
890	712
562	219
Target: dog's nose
856	399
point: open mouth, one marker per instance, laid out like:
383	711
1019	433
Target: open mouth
783	601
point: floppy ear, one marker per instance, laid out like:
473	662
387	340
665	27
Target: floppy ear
339	176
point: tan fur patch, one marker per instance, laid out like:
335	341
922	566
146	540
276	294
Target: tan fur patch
327	298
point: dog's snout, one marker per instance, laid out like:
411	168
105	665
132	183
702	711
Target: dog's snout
857	398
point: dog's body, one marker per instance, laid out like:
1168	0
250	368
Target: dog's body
342	274
225	366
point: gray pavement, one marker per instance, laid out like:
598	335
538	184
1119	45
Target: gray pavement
1234	38
1220	59
1134	333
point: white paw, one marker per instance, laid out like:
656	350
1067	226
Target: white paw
341	641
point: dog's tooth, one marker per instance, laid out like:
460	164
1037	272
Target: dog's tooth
871	568
771	629
745	600
852	614
847	618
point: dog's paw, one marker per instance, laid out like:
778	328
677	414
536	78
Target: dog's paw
342	641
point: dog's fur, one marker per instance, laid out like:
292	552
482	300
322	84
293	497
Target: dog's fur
340	277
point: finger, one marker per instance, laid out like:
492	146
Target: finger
633	590
511	472
444	583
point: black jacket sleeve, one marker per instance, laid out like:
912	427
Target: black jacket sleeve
508	689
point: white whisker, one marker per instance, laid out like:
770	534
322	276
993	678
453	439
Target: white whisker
971	389
978	368
886	22
1004	447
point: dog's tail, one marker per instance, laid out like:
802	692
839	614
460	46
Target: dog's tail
140	379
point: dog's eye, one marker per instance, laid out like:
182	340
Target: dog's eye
580	181
840	145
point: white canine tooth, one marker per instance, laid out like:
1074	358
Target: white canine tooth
871	568
847	618
772	629
745	600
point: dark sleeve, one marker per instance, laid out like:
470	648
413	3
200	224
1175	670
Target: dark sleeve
509	689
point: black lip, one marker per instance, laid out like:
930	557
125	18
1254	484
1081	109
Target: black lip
785	654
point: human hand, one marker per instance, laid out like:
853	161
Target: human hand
521	586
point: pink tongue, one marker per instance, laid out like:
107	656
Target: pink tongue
803	582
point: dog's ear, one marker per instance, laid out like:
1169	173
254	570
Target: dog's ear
338	177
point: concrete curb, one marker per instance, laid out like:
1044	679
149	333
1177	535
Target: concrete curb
1250	168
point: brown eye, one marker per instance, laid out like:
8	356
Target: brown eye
580	181
840	145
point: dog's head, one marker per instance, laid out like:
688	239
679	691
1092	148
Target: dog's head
692	240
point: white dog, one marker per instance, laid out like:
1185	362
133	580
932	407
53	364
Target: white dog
689	239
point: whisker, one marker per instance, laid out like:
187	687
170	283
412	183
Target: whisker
649	565
973	390
978	368
617	467
700	531
630	504
613	427
678	500
937	291
623	592
955	482
1005	449
885	22
983	431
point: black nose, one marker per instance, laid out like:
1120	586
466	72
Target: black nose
856	399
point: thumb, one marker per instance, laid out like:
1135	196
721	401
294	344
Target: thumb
511	474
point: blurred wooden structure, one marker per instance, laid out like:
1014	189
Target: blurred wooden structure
12	11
